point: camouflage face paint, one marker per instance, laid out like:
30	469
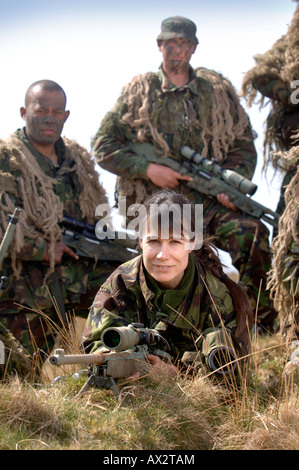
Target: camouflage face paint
45	116
176	53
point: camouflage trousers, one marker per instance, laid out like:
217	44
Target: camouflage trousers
31	309
246	239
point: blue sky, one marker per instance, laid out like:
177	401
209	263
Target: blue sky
92	48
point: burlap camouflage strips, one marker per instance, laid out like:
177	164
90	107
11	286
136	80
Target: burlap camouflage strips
291	274
290	280
72	285
16	359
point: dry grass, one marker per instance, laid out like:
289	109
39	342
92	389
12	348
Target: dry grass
157	413
260	412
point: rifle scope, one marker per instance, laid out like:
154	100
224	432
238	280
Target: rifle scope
126	337
231	177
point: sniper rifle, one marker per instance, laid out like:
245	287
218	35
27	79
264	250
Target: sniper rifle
212	179
123	354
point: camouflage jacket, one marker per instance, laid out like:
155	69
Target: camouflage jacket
67	187
126	297
180	112
274	89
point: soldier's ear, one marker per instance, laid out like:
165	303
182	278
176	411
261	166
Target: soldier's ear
23	113
159	44
66	115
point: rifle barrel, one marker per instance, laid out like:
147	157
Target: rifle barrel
13	220
60	358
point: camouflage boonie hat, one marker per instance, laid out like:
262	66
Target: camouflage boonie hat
178	27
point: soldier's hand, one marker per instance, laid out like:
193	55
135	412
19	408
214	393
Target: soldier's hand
165	177
59	250
224	200
160	366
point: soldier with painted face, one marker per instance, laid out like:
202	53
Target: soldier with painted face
48	177
176	106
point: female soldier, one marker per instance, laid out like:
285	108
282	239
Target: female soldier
177	287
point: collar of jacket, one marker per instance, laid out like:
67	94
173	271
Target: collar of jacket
137	280
59	145
167	86
172	297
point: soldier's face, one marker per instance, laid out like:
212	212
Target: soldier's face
165	259
45	116
176	52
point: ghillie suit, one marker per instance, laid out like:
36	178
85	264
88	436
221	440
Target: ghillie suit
213	120
16	360
45	191
272	76
42	208
284	275
226	122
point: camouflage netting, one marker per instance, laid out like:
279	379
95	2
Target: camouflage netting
42	209
281	62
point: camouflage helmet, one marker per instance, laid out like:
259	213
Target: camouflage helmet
178	27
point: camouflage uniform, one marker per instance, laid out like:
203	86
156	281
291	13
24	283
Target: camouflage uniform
181	316
76	281
173	112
